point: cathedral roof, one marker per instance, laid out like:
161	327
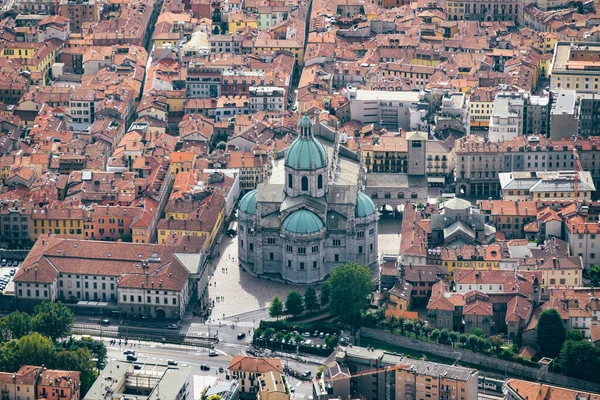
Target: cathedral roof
306	153
303	222
364	206
248	203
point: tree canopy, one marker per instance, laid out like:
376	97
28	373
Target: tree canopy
293	303
551	333
53	319
580	359
350	285
311	302
276	308
325	294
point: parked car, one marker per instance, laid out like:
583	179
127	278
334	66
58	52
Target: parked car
213	353
321	335
171	362
3	263
129	352
306	334
204	367
104	322
15	263
131	357
221	369
13	272
173	326
241	336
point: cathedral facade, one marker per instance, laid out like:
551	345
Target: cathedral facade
299	231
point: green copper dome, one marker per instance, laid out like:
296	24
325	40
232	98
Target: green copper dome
364	206
306	153
248	203
303	222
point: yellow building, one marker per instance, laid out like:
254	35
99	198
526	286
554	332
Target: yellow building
182	161
295	47
399	296
557	272
474	257
62	222
36	58
206	221
238	19
388	153
574	67
272	387
481	104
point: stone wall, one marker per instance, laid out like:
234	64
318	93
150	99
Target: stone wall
513	369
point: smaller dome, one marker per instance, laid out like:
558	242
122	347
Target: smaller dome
248	203
457	204
306	153
364	206
303	222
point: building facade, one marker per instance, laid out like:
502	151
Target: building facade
302	230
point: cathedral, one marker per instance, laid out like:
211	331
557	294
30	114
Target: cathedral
299	230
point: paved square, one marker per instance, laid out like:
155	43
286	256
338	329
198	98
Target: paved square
247	297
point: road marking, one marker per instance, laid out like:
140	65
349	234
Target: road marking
299	383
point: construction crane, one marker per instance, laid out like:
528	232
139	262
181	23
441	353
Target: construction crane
388	377
578	169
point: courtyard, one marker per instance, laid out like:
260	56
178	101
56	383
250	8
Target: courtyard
239	295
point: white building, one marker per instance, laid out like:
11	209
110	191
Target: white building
394	110
267	98
506	121
145	279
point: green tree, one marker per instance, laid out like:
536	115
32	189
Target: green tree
54	320
276	308
595	275
18	324
574	335
444	337
477	332
96	348
351	284
325	294
551	333
311	302
425	330
293	303
580	359
473	342
35	349
435	334
453	337
409	325
331	341
463	339
496	342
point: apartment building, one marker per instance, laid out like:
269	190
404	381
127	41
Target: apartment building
32	382
506	121
388	153
267	98
557	187
509	217
477	162
583	236
574	67
144	279
250	371
80	12
589	114
481	104
393	110
411	379
563	114
15	218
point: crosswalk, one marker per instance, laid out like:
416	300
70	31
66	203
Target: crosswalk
301	396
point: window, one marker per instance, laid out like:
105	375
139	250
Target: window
304	183
336	257
290	181
320	182
360	234
301	265
315	249
270	240
289	264
289	248
251	246
360	249
301	250
337	243
271	256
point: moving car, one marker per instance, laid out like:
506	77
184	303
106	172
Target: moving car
104	322
204	367
240	336
173	326
129	352
213	353
131	357
171	362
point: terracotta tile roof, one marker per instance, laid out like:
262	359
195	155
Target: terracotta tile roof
256	365
402	314
533	391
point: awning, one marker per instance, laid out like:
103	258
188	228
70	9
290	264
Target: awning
436	179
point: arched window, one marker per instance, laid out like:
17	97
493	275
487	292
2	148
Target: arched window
290	181
320	181
304	183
